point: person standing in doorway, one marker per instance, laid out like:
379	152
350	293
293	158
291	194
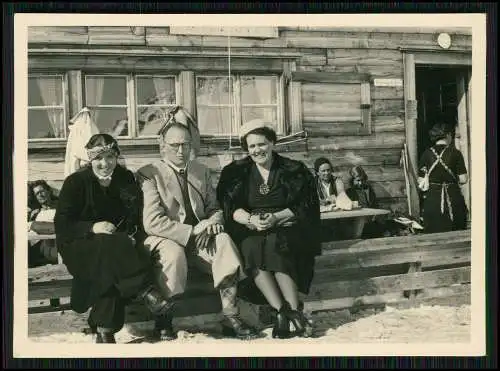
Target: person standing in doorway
442	170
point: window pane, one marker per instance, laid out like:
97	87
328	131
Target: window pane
267	114
214	121
150	120
212	91
258	90
45	91
46	123
112	121
155	90
106	90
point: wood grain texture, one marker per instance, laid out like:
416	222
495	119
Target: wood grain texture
74	35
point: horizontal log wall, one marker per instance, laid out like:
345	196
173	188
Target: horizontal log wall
331	113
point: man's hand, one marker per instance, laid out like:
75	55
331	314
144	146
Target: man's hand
203	241
200	227
215	229
103	227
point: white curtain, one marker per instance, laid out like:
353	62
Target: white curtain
82	128
95	89
48	87
214	92
162	86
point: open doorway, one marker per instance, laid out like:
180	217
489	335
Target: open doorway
442	91
437	91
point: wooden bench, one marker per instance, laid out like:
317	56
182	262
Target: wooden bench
350	274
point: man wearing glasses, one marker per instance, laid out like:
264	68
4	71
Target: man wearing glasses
184	222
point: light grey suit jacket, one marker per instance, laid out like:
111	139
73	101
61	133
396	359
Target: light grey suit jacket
164	210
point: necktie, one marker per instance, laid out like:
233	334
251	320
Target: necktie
190	215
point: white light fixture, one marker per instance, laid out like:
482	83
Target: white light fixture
444	40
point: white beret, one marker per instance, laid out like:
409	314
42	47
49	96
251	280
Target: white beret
252	125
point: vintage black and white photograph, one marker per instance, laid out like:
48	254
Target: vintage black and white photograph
259	185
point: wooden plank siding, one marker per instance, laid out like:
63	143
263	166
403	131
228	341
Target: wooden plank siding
331	113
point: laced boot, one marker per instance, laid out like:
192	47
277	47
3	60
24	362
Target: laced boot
234	326
155	302
281	329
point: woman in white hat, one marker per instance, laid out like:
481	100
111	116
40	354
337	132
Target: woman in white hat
271	211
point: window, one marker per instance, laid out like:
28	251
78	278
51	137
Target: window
224	104
118	100
47	112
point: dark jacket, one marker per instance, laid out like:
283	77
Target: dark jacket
365	199
302	199
81	204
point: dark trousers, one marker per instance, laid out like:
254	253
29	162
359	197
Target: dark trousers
108	311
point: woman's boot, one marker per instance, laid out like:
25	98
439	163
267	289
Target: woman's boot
281	329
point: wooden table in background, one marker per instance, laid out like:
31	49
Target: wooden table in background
357	218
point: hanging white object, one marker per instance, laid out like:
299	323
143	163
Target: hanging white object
82	128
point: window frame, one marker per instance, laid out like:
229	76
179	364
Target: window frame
237	105
65	104
362	79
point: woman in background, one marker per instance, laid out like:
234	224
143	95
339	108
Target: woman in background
360	189
98	228
328	186
444	207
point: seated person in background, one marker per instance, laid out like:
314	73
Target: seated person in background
361	190
41	211
329	186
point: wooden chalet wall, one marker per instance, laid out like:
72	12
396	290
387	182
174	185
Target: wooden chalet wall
330	72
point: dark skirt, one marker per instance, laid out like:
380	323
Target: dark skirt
102	262
437	221
269	251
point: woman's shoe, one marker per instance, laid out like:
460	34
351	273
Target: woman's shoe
105	337
302	326
281	329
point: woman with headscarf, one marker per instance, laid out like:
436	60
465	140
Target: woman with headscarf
444	207
98	228
271	210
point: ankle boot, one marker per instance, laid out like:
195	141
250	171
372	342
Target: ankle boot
106	337
302	326
281	329
234	326
155	302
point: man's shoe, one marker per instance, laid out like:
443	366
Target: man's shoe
234	326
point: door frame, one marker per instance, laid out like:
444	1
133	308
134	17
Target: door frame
435	57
